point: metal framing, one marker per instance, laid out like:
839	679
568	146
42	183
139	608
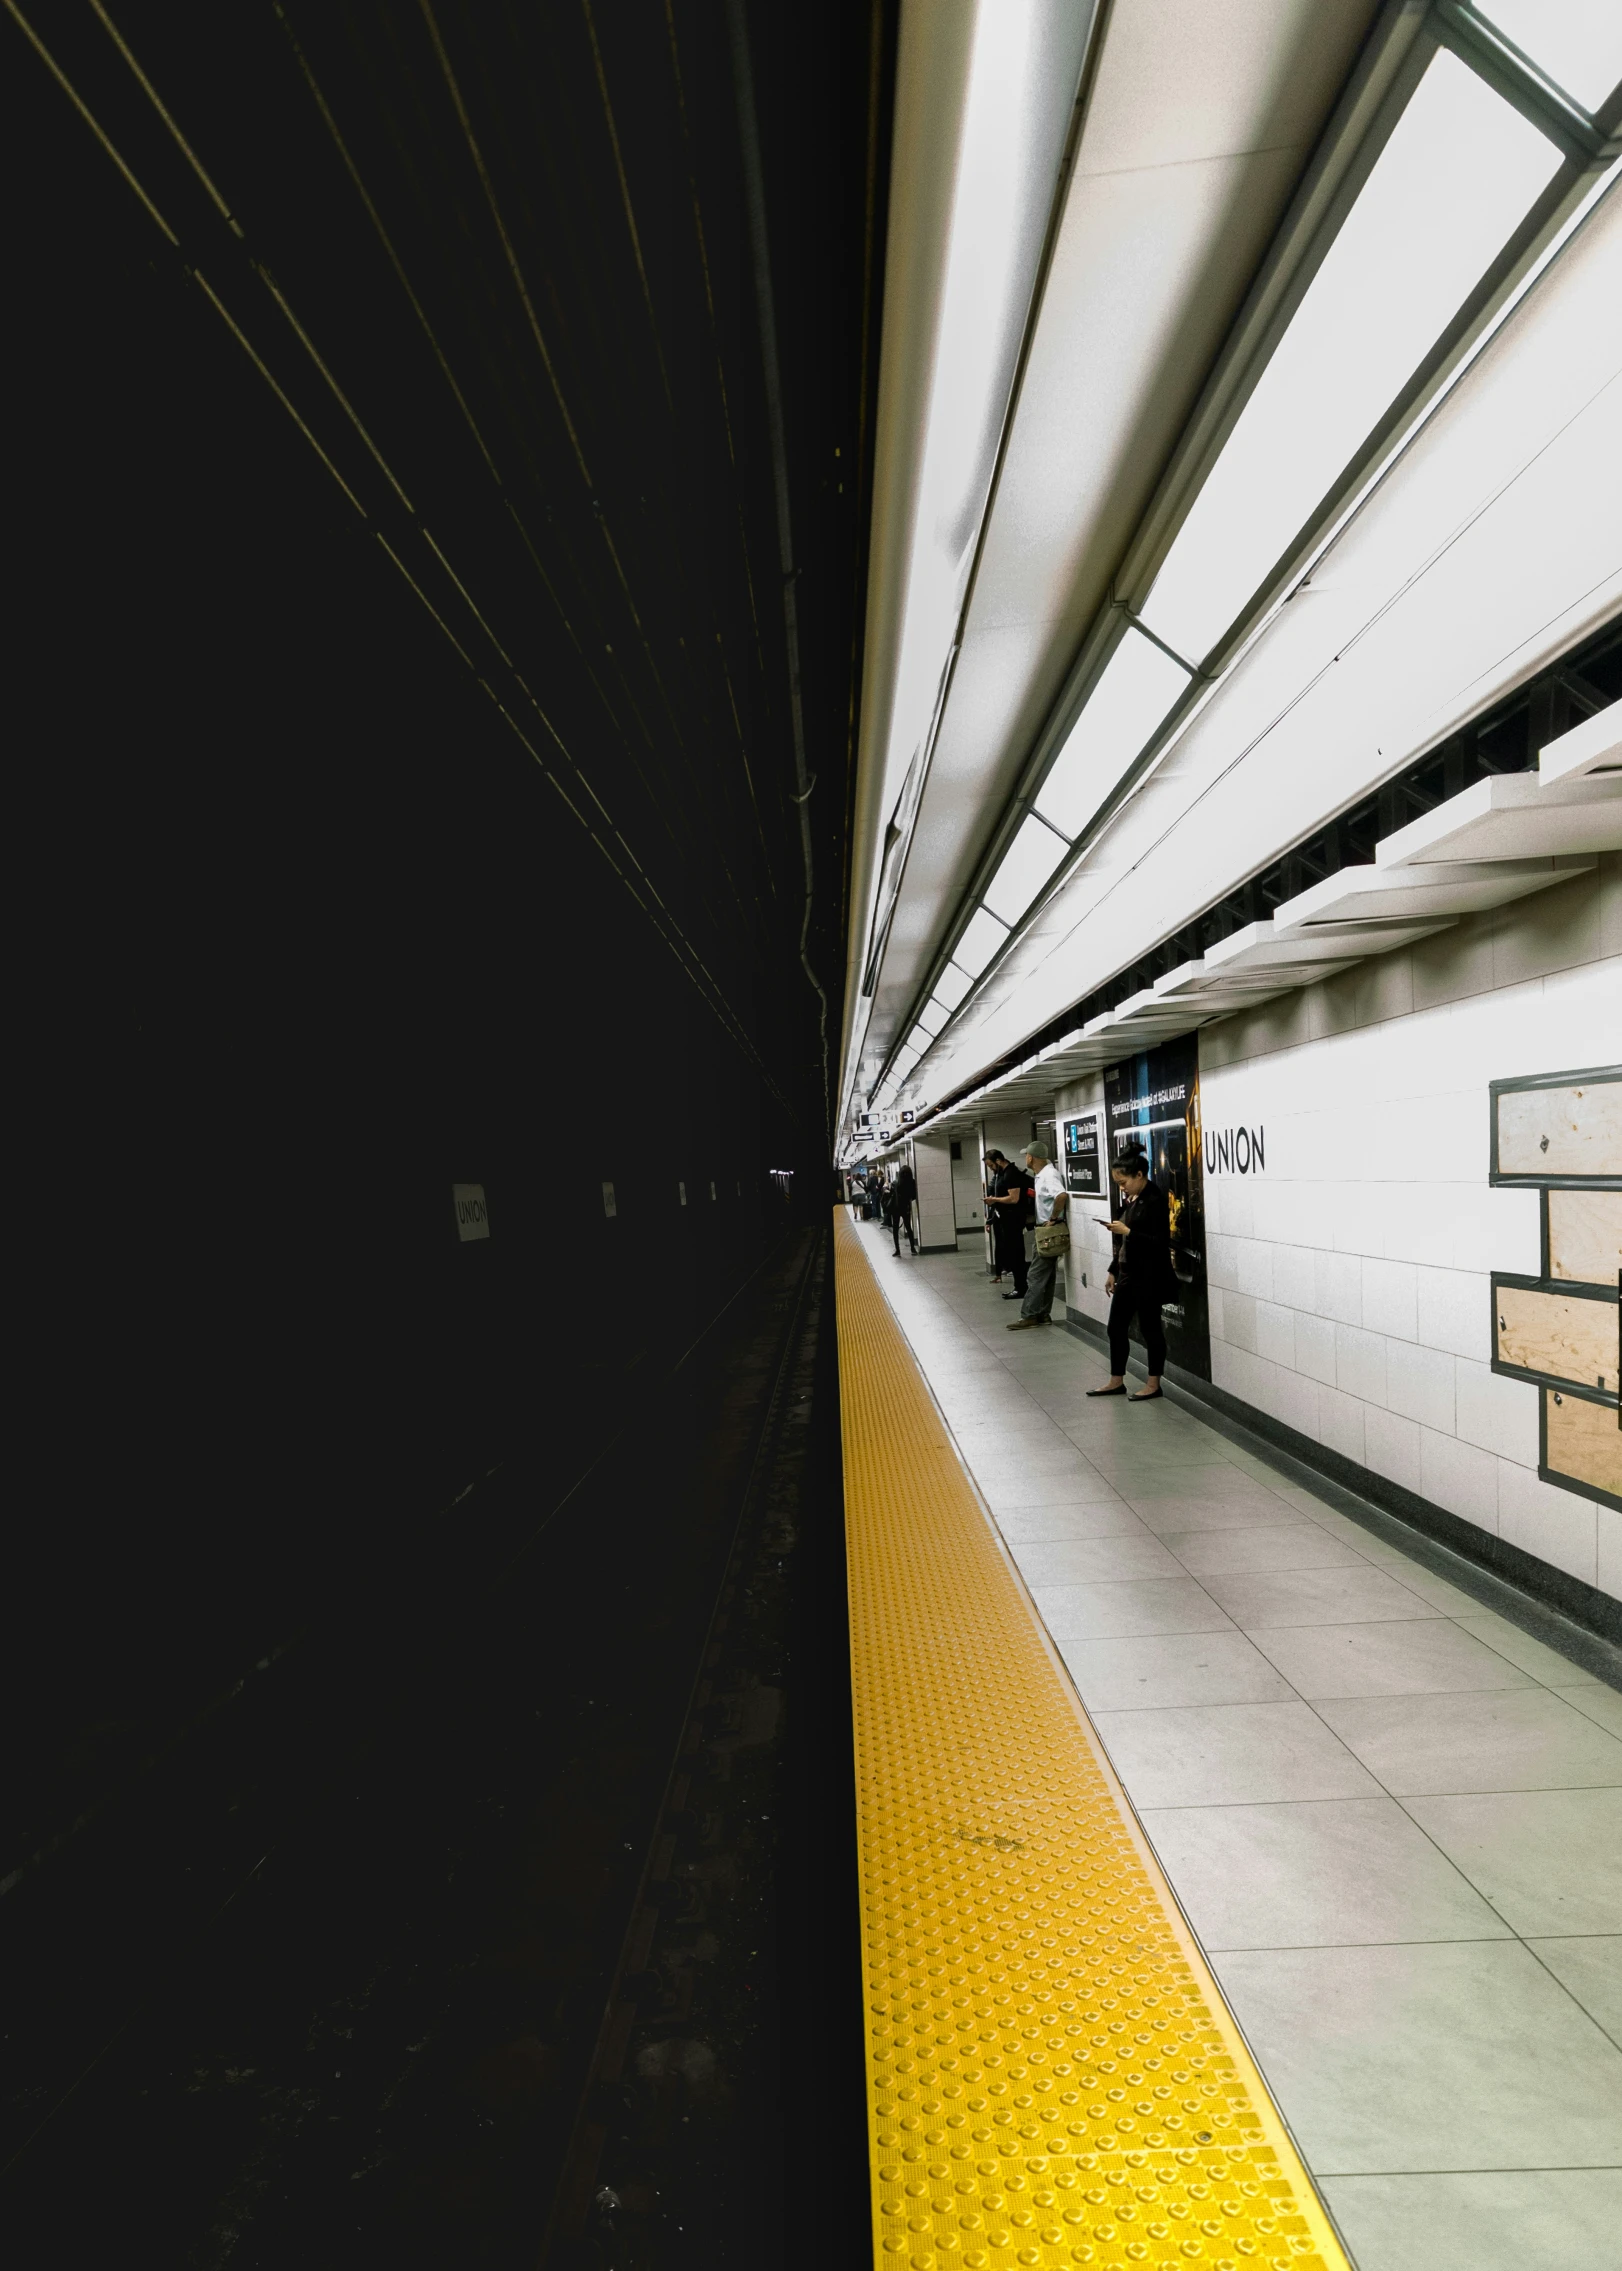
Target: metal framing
1552	1384
1589	1076
1568	1289
1394	58
1574	1483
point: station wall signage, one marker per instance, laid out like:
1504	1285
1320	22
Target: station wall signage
1235	1151
472	1214
1084	1154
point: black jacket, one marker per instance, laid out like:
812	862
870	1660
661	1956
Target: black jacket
902	1193
1145	1259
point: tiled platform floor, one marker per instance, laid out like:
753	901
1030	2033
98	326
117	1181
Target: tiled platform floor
1394	1820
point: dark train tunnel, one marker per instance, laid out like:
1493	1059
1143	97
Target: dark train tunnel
437	572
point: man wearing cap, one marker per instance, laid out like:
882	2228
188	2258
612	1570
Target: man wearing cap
1052	1204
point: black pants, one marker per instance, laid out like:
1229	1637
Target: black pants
1123	1301
897	1218
1008	1251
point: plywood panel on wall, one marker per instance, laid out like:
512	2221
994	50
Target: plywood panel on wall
1559	1334
1582	1442
1585	1236
1561	1131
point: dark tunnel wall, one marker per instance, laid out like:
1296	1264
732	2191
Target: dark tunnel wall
309	935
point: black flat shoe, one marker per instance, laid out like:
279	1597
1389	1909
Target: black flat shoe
1106	1391
1148	1396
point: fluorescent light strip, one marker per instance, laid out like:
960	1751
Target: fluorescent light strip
1029	860
983	936
1458	173
952	985
1139	685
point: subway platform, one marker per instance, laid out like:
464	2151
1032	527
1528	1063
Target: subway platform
1236	1888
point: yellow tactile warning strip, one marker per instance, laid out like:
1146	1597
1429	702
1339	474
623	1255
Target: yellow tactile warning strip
1052	2077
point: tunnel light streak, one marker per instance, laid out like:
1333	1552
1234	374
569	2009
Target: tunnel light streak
1578	43
1139	685
1026	865
1458	174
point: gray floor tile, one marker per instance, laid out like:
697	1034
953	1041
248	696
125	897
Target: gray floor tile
1515	1739
1204	1478
1326	1873
1288	1545
1080	1560
1436	1590
1246	1461
1205	1667
1012	1460
1309	1502
1004	1488
1358	1595
1006	1471
1129	1606
1166	1470
1450	2055
1592	1971
1172	1516
1095	1518
1373	1549
1425	1657
1601	1704
1505	2220
1229	1754
1550	1861
1007	1414
1545	1664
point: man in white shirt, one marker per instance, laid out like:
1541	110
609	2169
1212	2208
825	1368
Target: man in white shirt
1052	1205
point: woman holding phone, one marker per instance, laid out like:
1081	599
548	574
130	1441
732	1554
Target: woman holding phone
1141	1276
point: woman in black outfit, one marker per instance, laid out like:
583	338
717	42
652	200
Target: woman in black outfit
899	1215
1141	1278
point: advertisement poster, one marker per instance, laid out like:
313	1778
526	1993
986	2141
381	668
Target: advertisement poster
1152	1103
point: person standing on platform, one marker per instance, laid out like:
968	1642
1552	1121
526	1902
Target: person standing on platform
993	1164
1052	1204
1009	1199
902	1193
1141	1279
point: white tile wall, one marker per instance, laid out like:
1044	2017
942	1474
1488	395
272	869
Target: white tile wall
1350	1276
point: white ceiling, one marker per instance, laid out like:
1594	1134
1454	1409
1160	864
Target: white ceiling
1492	546
1200	117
